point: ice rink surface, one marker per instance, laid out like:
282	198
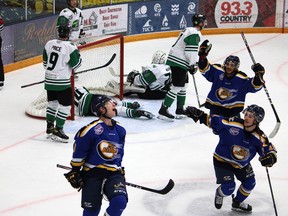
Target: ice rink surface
155	150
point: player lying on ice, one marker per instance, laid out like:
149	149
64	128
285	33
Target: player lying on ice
84	101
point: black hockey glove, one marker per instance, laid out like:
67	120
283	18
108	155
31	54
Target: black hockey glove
258	69
135	105
268	160
193	69
193	113
204	49
75	179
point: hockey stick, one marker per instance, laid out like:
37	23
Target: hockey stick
277	126
270	185
163	191
113	73
79	72
196	91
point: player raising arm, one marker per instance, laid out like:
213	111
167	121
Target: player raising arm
229	85
239	141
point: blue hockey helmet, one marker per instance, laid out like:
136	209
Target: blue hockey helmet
257	111
234	59
98	102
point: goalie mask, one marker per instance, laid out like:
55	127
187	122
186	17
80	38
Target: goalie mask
159	57
257	111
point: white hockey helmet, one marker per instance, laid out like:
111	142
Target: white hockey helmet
159	57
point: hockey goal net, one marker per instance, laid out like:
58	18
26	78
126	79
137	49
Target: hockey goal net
101	71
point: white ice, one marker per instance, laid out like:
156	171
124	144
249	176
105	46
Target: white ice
155	150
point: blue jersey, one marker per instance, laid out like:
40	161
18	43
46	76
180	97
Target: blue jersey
99	145
236	145
227	95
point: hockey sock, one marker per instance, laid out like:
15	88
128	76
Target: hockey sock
117	205
245	189
91	212
227	188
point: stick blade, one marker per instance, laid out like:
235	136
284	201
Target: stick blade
275	130
168	187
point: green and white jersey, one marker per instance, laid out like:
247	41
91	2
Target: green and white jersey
82	99
59	58
74	20
184	52
156	76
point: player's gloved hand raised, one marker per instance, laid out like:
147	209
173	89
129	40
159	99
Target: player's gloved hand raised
258	69
268	160
193	69
204	49
193	113
75	179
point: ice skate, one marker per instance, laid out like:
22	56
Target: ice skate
49	130
240	207
145	114
218	201
180	113
59	135
164	114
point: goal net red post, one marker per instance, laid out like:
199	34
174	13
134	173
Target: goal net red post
98	55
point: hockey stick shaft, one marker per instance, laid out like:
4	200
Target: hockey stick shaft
196	90
163	191
271	190
276	128
79	72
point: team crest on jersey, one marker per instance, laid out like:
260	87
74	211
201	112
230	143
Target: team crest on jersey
225	94
107	150
234	131
98	129
240	153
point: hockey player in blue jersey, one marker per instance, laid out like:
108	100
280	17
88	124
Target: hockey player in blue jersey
229	85
239	141
97	162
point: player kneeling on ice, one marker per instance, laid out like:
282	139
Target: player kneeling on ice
85	101
97	162
239	141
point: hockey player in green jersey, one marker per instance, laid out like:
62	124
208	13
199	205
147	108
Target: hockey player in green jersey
182	58
155	79
73	17
60	57
84	101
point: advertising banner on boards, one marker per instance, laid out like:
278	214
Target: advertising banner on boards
158	16
238	13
